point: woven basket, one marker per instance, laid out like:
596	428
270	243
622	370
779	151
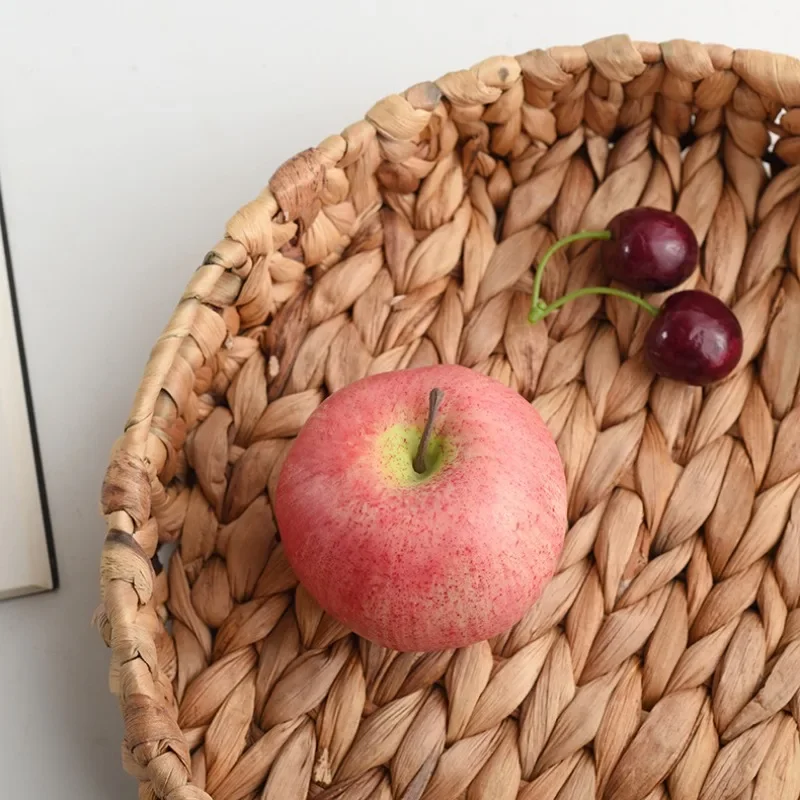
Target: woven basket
663	659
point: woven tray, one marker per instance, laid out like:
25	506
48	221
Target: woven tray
664	658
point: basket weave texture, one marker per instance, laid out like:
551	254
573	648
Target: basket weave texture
663	660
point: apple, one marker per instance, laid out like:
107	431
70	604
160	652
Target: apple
424	509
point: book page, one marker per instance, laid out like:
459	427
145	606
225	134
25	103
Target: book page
24	557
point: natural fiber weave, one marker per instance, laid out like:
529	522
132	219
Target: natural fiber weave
664	658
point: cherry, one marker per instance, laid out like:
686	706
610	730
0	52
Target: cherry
695	338
649	250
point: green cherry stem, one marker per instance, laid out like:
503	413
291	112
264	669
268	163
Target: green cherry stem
554	248
542	310
539	309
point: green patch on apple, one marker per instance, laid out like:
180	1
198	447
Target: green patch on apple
398	447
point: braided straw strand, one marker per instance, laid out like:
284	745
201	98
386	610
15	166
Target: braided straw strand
663	659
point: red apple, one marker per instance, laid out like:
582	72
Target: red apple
428	560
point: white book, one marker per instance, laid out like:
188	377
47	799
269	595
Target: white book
27	564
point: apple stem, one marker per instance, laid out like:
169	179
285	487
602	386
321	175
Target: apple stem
434	401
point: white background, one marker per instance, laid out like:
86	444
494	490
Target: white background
129	133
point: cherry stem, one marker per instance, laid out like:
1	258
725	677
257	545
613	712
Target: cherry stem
434	401
554	248
540	309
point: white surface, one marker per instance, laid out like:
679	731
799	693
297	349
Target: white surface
128	136
24	566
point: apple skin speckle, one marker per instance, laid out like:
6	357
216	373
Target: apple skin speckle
431	562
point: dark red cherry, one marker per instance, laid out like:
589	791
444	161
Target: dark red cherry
695	338
650	250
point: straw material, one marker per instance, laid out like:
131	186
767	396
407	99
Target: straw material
664	658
